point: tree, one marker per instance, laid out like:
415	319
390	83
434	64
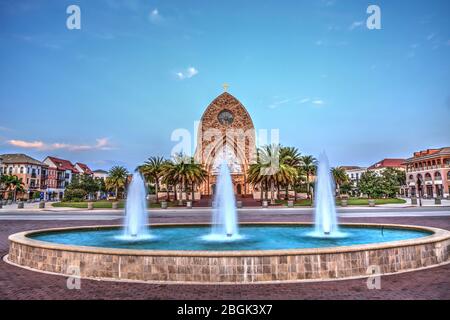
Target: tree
392	180
370	184
183	171
117	179
84	182
340	177
152	171
13	184
276	166
309	167
290	161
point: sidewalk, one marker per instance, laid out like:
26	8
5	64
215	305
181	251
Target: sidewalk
49	208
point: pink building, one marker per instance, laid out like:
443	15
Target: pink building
428	173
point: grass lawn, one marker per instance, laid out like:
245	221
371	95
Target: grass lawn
351	202
365	202
103	204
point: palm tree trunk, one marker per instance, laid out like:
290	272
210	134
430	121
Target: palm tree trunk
286	195
117	193
193	195
272	190
307	186
175	191
156	189
262	192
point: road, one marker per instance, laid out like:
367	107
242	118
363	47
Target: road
205	213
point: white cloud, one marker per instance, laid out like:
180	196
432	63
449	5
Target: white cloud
155	17
356	24
279	103
188	73
101	144
318	102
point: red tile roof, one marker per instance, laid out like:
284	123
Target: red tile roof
388	163
62	164
85	168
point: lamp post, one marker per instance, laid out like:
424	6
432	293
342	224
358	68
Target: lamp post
419	189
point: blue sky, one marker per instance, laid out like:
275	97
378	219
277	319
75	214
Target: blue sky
113	92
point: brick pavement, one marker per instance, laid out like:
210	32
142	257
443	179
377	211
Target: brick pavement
17	283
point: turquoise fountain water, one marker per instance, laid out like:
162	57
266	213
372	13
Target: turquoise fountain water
225	221
326	224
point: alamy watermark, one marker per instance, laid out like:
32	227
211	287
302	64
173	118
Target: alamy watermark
74	279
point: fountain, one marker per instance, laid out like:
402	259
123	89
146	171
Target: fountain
225	222
325	210
135	226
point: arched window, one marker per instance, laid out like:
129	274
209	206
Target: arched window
427	176
411	177
448	175
437	175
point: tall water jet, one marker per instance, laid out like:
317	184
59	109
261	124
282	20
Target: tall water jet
325	209
225	221
135	226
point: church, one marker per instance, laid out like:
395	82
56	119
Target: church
226	134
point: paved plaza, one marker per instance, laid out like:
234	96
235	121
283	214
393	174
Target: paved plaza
18	283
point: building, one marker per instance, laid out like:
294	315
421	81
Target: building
354	173
428	173
32	172
226	133
83	169
380	166
100	174
60	174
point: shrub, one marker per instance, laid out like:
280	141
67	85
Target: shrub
75	195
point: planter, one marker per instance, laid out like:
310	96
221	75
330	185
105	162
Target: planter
42	205
344	202
239	204
265	204
115	205
371	203
414	201
189	204
437	201
20	205
90	206
10	202
290	203
163	204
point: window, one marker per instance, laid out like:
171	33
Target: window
225	117
21	169
437	175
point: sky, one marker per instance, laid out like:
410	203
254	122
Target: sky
114	91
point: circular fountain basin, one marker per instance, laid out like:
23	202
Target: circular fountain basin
264	252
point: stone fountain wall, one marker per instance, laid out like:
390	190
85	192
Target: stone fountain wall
235	267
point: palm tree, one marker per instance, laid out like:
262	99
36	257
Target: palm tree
14	184
340	177
152	171
290	161
275	167
309	167
117	179
183	171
